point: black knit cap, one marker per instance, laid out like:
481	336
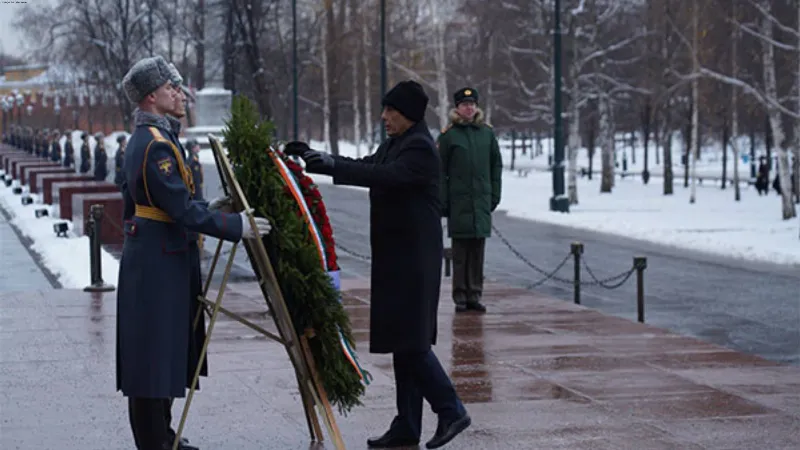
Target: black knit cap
409	99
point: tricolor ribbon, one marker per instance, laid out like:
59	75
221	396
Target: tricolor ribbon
313	230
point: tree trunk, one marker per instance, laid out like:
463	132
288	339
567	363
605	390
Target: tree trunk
368	119
574	143
440	60
355	61
332	77
489	105
735	108
725	140
606	146
326	87
647	117
695	127
796	166
200	46
770	87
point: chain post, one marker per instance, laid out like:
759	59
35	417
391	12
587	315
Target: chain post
95	223
576	248
640	264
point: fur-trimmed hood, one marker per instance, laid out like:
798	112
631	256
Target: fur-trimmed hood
456	119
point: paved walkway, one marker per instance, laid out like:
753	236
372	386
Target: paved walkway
535	372
18	270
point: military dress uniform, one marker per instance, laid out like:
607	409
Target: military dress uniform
197	174
119	159
55	152
100	159
156	307
86	155
69	152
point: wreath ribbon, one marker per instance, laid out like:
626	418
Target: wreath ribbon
313	230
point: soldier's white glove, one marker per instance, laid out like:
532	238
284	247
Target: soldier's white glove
262	226
224	204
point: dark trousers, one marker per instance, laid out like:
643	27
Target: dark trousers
419	375
151	420
468	269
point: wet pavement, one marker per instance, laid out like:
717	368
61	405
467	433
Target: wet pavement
746	306
19	267
535	373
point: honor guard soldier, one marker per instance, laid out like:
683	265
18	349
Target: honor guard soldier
55	147
470	191
86	155
100	158
44	144
119	158
159	277
69	152
30	138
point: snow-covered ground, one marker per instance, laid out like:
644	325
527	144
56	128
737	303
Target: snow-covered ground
67	258
750	229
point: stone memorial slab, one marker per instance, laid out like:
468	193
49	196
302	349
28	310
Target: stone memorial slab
35	173
45	183
111	226
63	192
24	168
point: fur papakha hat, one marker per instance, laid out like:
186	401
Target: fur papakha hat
144	77
175	76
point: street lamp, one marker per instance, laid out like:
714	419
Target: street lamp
383	59
559	201
294	70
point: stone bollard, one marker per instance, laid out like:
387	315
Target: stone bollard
93	227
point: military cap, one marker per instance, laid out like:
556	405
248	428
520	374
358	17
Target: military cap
174	76
84	135
67	132
56	133
144	77
120	138
99	135
464	95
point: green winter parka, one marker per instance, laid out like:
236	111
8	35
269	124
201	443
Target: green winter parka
471	176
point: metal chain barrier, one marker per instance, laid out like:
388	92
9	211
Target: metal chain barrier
352	253
547	275
576	252
607	282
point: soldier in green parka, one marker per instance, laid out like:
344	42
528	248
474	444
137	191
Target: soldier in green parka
472	180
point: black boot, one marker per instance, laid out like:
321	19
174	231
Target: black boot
447	430
391	439
476	306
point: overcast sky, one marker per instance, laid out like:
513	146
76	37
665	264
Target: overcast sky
10	38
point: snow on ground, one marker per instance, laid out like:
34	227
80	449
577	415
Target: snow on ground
67	258
751	229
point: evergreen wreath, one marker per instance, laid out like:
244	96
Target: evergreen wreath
312	300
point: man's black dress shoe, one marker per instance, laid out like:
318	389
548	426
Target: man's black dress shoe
446	431
390	439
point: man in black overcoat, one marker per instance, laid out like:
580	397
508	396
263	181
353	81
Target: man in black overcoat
406	243
158	352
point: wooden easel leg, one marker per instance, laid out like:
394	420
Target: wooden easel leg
314	429
316	388
208	283
204	350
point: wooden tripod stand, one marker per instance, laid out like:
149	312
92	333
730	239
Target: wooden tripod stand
311	390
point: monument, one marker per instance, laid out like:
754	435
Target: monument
212	109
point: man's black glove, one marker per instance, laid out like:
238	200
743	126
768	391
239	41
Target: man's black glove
319	162
296	148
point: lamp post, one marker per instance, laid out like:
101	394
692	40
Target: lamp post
294	70
559	201
383	58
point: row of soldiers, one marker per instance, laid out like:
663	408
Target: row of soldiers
47	145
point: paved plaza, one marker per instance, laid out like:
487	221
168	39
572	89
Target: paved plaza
535	372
